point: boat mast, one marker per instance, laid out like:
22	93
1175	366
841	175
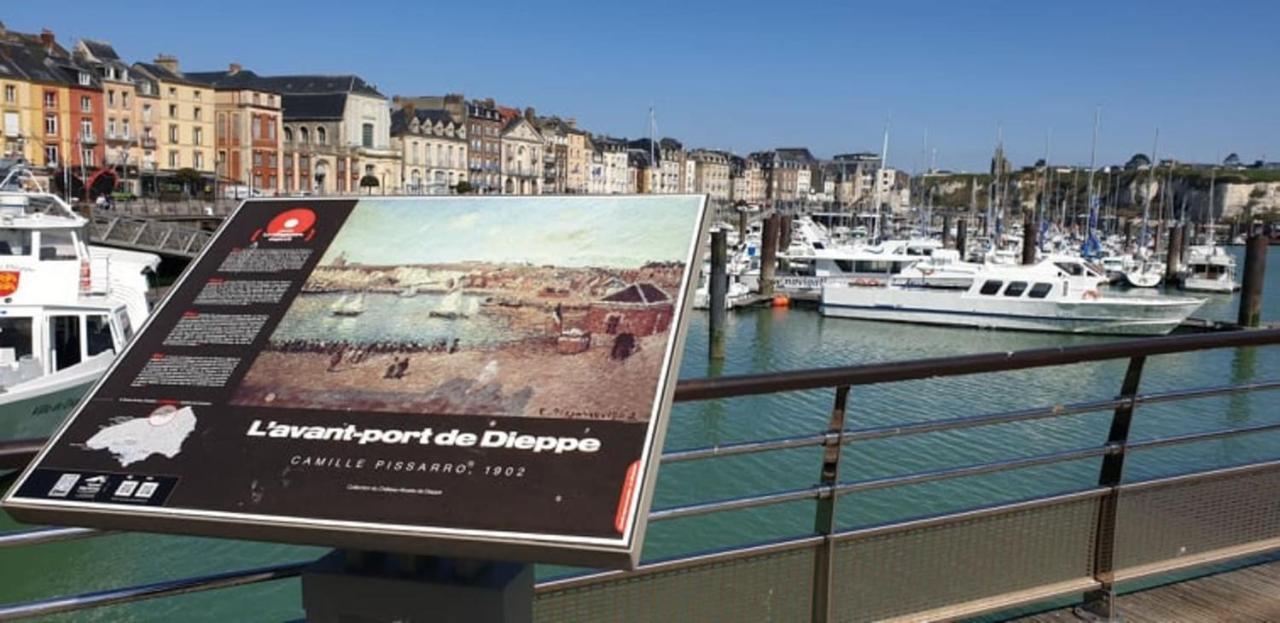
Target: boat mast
1092	223
1213	178
884	156
1146	202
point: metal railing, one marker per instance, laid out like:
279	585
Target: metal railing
939	567
147	234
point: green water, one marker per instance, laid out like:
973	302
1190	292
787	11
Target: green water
770	340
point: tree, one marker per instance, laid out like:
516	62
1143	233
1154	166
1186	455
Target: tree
1138	161
1231	160
188	177
463	188
370	182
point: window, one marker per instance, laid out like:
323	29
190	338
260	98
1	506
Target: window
124	128
255	128
15	242
15	338
86	104
85	79
271	129
51	124
10	94
126	327
111	128
257	158
124	99
1016	288
1040	290
173	134
366	135
195	113
173	111
1070	268
288	135
304	136
197	136
50	99
86	129
173	159
146	112
991	287
86	157
98	334
57	245
322	137
64	332
173	92
51	155
111	97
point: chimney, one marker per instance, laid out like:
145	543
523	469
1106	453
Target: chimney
410	111
167	61
232	69
572	122
47	39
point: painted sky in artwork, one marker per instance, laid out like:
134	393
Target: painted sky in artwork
612	232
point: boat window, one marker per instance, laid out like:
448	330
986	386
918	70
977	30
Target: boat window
845	266
1040	290
15	339
1016	288
57	244
126	328
15	242
64	333
1070	268
98	334
819	246
991	287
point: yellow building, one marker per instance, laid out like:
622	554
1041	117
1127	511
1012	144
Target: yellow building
183	125
35	105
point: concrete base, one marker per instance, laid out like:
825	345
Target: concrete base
366	587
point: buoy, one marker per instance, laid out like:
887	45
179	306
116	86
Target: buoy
781	300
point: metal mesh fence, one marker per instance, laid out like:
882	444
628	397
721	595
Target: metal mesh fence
958	563
1178	523
768	587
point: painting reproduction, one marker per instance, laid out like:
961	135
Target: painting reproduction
549	308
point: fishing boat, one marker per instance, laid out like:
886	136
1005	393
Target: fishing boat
1210	269
451	307
66	308
348	305
409	292
1055	295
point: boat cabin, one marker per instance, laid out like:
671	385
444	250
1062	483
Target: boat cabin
37	341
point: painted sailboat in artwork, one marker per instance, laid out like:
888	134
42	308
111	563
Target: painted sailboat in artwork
451	306
348	305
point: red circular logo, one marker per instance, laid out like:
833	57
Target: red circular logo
293	222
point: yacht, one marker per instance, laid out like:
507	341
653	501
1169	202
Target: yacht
1210	269
1057	295
66	308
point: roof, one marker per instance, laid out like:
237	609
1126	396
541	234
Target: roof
306	106
400	124
164	75
101	50
643	293
243	79
306	84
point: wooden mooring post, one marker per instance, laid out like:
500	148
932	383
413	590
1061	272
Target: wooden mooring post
718	289
962	232
1028	240
946	231
1173	260
1255	271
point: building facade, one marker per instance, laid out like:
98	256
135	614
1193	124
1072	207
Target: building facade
711	174
522	157
484	153
433	147
248	131
184	118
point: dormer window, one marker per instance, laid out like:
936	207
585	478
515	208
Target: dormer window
85	79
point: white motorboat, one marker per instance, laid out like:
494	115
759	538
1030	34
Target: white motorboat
1210	269
66	309
1147	274
1054	295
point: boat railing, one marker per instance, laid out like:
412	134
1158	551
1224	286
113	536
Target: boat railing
1077	543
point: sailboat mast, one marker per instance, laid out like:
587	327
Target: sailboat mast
1146	203
1092	223
884	157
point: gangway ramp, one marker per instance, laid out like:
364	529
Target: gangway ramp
148	234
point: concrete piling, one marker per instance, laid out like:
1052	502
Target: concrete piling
769	253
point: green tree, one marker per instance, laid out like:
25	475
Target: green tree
189	179
370	182
463	188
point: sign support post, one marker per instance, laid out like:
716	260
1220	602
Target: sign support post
352	585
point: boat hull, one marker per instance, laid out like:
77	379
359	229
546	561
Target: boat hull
35	413
1216	286
952	309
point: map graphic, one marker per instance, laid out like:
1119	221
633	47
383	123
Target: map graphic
134	440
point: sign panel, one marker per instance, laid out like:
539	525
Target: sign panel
475	376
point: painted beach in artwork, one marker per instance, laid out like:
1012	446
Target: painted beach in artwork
555	308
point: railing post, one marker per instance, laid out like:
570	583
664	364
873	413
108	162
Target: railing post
824	519
1101	602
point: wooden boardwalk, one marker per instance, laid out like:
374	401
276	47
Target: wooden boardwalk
1241	596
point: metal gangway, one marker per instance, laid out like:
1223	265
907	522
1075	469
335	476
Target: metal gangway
1080	545
147	234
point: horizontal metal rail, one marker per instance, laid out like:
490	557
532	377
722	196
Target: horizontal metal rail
167	588
963	365
41	536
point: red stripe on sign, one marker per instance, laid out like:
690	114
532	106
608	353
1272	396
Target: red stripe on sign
624	503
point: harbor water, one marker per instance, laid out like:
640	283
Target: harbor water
767	340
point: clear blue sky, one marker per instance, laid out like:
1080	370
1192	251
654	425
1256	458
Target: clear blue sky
750	75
